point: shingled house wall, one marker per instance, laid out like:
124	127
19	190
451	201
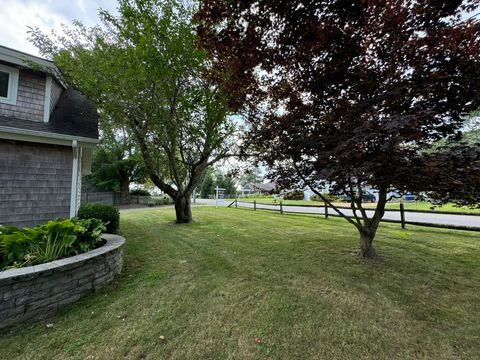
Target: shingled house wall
35	182
35	175
30	97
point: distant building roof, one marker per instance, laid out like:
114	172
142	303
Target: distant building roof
268	187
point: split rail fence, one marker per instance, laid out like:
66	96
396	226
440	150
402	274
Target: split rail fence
329	211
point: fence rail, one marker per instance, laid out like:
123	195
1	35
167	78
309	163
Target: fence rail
324	210
443	212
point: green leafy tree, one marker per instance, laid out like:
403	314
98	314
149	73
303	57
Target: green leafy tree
115	166
211	179
146	75
226	182
207	186
348	94
251	176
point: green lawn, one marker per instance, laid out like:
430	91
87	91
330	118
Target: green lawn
417	205
295	282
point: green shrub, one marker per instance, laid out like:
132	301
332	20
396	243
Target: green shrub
328	196
293	195
140	192
88	234
13	247
257	196
48	242
108	214
160	200
166	200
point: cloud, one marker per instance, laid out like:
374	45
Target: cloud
17	15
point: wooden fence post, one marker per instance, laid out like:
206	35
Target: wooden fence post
254	205
402	215
281	208
326	211
236	203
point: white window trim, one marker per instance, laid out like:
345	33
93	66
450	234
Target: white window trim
11	98
48	97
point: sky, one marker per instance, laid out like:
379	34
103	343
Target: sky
17	15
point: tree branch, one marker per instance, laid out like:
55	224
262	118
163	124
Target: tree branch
149	162
328	202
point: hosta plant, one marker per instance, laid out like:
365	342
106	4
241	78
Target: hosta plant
48	242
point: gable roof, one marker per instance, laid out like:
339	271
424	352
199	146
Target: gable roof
20	58
268	187
73	115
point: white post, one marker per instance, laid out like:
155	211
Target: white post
74	184
216	197
48	96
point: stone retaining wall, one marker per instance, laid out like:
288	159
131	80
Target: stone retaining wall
32	293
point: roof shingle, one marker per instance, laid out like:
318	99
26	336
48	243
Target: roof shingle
73	115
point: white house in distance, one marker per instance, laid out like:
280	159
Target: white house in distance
47	135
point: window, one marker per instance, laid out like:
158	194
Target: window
8	85
4	79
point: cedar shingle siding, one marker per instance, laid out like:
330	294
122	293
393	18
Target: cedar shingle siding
35	175
30	97
35	181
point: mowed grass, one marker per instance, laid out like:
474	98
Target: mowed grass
395	205
239	284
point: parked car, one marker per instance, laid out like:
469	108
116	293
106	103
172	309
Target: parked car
409	197
366	197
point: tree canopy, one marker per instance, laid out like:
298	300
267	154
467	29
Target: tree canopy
146	75
353	93
251	175
116	164
212	179
207	185
226	182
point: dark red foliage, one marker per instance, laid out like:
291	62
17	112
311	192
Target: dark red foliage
350	92
456	174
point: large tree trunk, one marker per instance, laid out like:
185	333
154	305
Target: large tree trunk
183	210
366	244
370	226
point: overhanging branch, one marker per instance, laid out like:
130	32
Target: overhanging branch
328	202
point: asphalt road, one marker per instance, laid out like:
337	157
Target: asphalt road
428	218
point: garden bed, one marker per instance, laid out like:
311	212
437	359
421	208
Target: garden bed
34	292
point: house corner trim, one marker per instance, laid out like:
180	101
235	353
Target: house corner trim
76	175
48	97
